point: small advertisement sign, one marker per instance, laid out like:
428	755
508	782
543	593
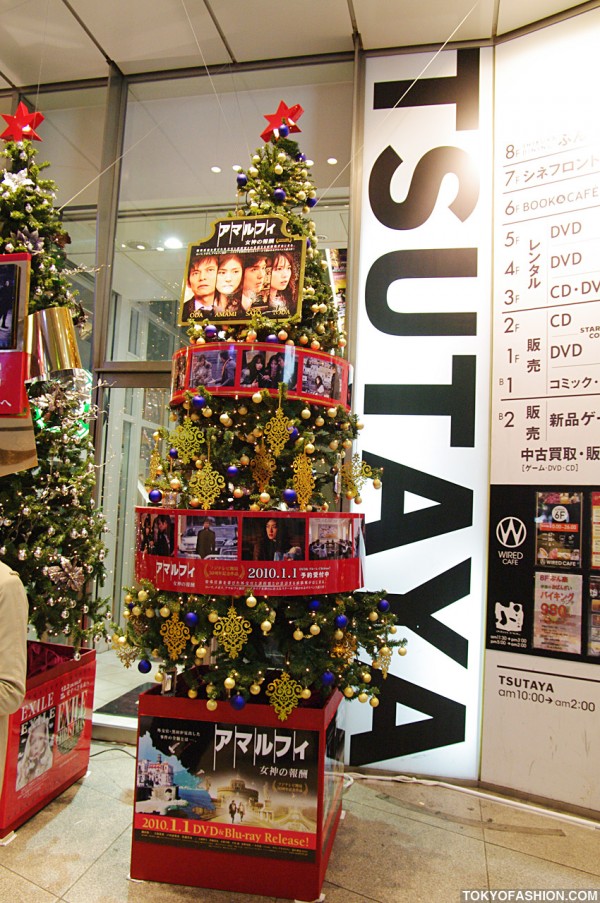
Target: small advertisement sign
558	529
247	265
557	612
274	553
227	788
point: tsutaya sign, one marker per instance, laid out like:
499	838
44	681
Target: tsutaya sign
422	380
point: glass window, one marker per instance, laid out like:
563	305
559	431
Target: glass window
133	415
177	131
72	133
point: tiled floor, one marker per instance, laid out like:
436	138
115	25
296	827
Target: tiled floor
398	842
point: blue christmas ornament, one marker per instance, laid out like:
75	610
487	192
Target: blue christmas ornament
155	496
290	496
242	180
341	621
272	338
311	202
314	605
383	605
279	195
300	157
198	401
144	666
232	471
173	453
293	431
284	130
327	678
191	619
237	702
210	331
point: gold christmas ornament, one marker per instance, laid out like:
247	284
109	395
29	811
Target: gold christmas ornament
211	704
345	648
304	481
384	657
263	467
207	484
176	636
232	632
284	693
277	430
154	466
187	439
354	475
126	654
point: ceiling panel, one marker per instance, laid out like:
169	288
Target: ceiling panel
407	23
144	35
514	14
271	29
50	41
42	42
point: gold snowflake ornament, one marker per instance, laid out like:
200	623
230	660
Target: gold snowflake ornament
187	439
263	467
304	481
154	461
125	653
284	693
176	636
206	485
346	648
232	632
355	473
277	431
383	660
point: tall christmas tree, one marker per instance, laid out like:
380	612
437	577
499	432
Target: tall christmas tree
272	450
50	530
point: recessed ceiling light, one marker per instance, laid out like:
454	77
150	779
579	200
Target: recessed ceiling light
236	167
332	160
215	169
173	243
141	246
160	248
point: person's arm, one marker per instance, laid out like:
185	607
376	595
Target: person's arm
14	613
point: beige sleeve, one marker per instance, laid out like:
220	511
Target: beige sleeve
14	612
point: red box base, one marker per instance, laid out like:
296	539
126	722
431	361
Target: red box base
49	737
172	858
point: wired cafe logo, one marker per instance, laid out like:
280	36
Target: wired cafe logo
511	532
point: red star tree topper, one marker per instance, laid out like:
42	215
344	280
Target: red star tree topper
22	125
284	113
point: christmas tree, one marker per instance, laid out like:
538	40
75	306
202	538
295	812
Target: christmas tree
50	531
273	451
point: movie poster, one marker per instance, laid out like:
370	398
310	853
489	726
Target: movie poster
225	787
248	265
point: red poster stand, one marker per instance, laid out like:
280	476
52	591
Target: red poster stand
49	736
205	847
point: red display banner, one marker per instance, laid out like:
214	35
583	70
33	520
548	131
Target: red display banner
230	552
49	737
243	368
